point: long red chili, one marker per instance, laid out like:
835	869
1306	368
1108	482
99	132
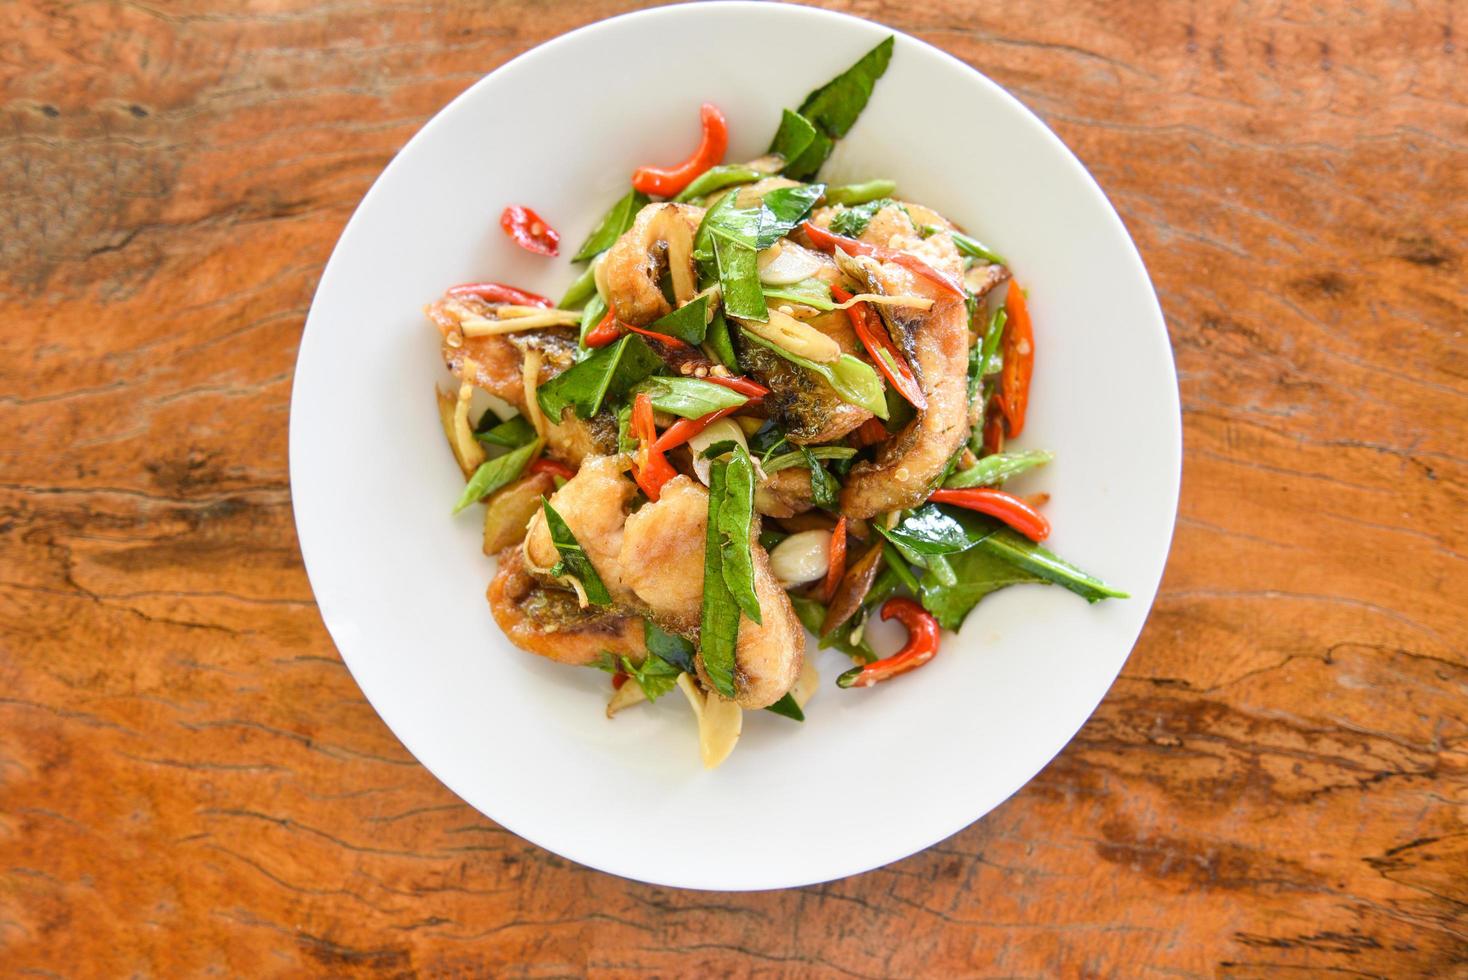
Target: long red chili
837	566
530	231
921	646
878	343
744	386
606	330
653	469
498	292
996	503
827	242
1019	361
684	429
668	181
552	466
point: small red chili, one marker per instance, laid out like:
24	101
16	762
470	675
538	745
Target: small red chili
993	430
668	181
530	231
671	341
827	242
552	466
884	353
837	566
752	389
606	330
996	503
653	468
684	429
1019	361
921	646
618	679
496	292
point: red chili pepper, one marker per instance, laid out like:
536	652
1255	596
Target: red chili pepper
552	466
668	181
684	429
618	679
996	503
875	339
653	468
752	389
869	433
671	341
606	330
1019	361
993	431
495	292
921	646
530	231
837	566
827	241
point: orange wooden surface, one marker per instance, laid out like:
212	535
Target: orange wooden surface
190	782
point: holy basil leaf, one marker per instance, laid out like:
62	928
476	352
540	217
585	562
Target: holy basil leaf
626	441
487	420
616	221
853	194
574	561
725	217
717	178
605	661
596	308
853	221
739	278
854	380
718	449
787	707
654	675
717	343
812	614
496	473
808	164
736	517
793	137
824	489
835	106
977	572
671	647
934	530
512	433
807	292
610	372
690	398
688	323
581	290
718	630
1025	554
802	455
784	208
994	470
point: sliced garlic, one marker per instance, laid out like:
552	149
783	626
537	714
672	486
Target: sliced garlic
783	330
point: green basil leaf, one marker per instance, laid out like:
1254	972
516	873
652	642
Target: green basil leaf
671	647
690	398
977	572
784	208
595	309
739	278
616	221
824	490
807	292
609	372
793	137
993	470
983	360
736	517
853	221
724	217
654	675
717	343
574	561
855	381
808	164
718	630
605	661
787	707
717	178
851	194
812	614
689	323
835	106
495	473
800	456
487	420
1026	554
933	530
626	441
581	290
718	449
512	433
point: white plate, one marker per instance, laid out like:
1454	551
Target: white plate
872	775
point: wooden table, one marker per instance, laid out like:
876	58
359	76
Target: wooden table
191	782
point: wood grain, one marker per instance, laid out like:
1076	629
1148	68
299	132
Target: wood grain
190	782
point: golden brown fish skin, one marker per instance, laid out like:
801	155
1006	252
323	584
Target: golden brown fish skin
808	409
594	505
785	494
633	266
663	555
549	622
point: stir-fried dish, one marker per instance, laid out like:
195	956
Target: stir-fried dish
766	405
